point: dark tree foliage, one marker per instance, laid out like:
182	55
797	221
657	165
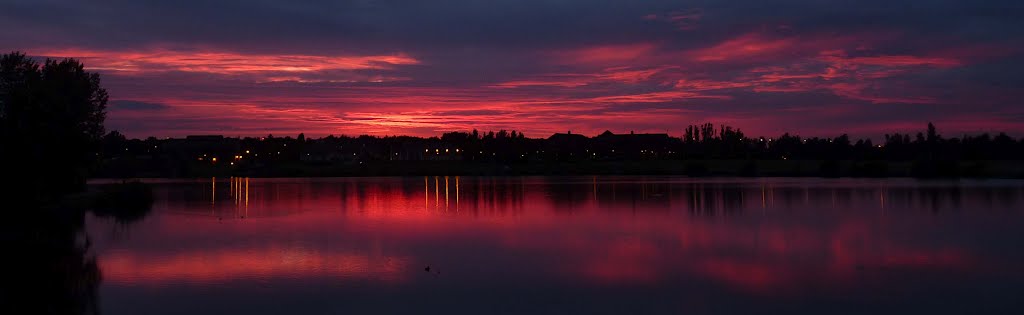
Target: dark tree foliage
51	123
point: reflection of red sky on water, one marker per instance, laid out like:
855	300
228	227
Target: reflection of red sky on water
762	257
625	261
746	275
228	264
747	259
598	240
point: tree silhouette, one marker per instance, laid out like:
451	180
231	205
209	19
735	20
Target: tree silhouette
933	136
51	123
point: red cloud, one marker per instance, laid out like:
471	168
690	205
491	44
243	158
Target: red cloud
849	77
654	97
902	61
249	93
607	54
862	91
223	62
565	81
626	75
745	46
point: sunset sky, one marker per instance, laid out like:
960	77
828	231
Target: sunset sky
813	67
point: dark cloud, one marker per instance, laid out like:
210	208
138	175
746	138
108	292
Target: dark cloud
453	25
119	105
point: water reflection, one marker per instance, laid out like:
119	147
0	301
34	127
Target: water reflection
629	244
49	265
707	197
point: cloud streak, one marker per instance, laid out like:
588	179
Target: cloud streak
353	67
144	62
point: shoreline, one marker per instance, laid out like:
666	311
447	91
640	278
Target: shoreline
993	169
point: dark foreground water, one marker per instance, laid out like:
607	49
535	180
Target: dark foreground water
583	245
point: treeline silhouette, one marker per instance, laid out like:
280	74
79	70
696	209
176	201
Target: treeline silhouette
51	125
701	150
51	121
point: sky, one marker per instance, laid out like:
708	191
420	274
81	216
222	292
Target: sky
811	67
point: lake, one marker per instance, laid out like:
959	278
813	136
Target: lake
566	245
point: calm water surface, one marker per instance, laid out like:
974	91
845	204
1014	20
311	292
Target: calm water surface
581	245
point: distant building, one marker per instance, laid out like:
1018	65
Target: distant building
203	147
633	145
442	152
568	146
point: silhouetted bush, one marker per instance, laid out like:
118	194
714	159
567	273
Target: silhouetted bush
935	169
749	168
829	168
697	169
870	169
974	169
